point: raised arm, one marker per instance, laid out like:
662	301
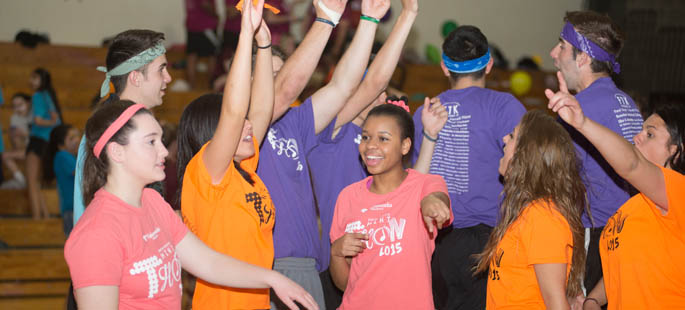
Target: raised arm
433	117
329	100
222	147
214	267
299	67
262	99
383	65
624	157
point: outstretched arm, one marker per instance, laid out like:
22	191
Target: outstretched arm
383	65
624	157
328	100
552	282
214	267
433	118
222	147
299	67
262	99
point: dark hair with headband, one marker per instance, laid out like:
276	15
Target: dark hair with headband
402	118
126	45
601	30
465	43
95	169
197	126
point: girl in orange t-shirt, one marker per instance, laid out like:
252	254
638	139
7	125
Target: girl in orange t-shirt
642	245
535	256
223	200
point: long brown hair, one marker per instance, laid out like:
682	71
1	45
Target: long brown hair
544	167
95	170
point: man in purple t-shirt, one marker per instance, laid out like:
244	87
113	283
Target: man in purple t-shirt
466	154
586	55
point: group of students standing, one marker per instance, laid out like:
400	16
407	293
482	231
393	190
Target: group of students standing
445	234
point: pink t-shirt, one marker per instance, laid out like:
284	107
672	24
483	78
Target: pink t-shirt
133	248
393	272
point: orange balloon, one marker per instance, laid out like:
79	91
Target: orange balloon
270	7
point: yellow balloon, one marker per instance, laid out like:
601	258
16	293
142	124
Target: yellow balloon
520	82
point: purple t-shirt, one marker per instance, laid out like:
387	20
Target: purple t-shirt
197	18
469	148
334	164
283	168
604	103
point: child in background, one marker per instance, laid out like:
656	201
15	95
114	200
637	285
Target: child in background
384	226
45	116
59	162
18	140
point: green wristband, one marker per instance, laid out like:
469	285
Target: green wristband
371	19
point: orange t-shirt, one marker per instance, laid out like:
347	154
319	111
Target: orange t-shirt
234	218
541	235
643	251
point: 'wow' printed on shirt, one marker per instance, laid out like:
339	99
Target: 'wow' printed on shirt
385	234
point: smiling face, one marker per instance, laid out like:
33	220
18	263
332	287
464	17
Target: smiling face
654	141
382	145
143	157
245	145
509	148
154	80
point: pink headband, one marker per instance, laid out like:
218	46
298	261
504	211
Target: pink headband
400	103
114	127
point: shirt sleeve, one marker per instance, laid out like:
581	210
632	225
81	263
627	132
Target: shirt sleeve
95	257
675	218
435	183
418	135
301	120
79	207
326	135
546	236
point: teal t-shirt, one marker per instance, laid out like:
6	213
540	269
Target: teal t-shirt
78	177
42	106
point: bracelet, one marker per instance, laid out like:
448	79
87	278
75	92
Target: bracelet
325	21
431	139
590	298
264	47
371	19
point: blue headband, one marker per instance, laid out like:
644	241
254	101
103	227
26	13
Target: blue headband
582	43
466	66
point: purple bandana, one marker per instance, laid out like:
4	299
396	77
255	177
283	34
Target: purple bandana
582	43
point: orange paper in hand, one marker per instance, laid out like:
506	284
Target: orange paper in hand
270	7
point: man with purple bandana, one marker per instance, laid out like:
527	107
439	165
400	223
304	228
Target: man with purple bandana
466	154
586	55
292	134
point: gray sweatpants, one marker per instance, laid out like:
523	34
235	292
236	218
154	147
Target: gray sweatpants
303	272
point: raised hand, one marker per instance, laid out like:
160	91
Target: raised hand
263	35
435	212
375	8
565	104
433	116
337	6
349	245
289	292
252	15
410	5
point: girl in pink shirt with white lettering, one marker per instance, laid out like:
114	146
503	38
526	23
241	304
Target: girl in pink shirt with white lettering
127	250
384	226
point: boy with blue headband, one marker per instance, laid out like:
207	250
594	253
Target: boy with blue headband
586	55
466	154
137	68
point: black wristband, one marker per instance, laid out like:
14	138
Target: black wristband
263	47
325	21
431	139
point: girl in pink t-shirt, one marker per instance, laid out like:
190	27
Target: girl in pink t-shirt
384	226
127	250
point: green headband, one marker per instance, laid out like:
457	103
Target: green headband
145	57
